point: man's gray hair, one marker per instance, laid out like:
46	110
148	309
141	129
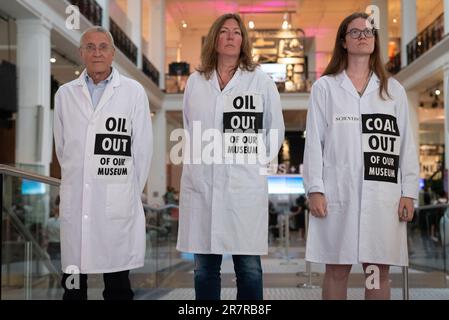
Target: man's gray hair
97	29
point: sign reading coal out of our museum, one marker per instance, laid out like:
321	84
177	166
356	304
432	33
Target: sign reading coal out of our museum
242	124
112	150
381	147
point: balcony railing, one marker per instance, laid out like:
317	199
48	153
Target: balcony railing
150	70
123	42
426	39
90	9
394	65
176	84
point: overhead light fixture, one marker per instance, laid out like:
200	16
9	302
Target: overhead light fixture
251	24
183	24
395	20
52	60
437	92
77	73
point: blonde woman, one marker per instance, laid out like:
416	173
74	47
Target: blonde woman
224	207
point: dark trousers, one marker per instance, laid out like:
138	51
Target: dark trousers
207	277
116	286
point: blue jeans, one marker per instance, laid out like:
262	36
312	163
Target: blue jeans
248	271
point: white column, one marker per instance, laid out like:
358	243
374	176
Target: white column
408	27
157	182
135	16
157	39
104	4
446	117
413	105
34	128
383	25
446	16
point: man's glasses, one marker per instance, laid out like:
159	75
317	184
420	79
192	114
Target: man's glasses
91	48
356	33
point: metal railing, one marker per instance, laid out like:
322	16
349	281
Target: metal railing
4	169
150	70
405	274
426	39
176	84
90	9
31	244
161	222
33	248
123	42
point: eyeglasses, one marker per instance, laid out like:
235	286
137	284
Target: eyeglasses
103	48
356	33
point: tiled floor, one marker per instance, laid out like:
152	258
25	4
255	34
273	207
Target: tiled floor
284	279
310	294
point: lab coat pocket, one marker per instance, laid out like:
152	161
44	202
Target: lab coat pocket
246	178
119	201
65	195
337	186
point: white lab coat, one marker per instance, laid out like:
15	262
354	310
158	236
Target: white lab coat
224	207
105	156
360	153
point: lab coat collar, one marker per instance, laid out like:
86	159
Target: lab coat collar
231	84
347	84
114	76
108	92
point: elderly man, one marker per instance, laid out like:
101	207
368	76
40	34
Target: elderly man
103	139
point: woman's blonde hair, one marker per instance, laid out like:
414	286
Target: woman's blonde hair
209	54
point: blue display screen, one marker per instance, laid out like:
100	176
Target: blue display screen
286	184
30	187
421	183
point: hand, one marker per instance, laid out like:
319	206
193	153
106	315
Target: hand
317	204
406	208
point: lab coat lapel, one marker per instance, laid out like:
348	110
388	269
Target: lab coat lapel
214	81
109	91
231	84
346	84
87	111
234	81
373	84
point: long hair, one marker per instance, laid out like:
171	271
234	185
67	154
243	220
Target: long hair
209	54
339	60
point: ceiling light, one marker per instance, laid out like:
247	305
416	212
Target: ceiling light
251	24
183	24
77	73
52	60
437	92
395	20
